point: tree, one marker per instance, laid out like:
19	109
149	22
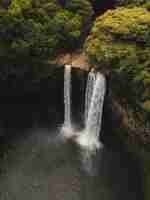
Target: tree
34	31
123	46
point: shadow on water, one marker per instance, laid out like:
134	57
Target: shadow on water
37	164
40	165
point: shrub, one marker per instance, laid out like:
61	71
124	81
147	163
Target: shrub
34	31
131	2
120	40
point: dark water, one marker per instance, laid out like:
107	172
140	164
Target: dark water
37	164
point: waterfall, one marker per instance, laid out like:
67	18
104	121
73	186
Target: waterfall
67	129
89	91
89	138
93	123
67	96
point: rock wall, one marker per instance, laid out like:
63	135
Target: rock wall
119	46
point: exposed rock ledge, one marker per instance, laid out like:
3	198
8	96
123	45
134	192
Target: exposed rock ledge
131	131
77	59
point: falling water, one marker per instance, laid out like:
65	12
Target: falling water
89	138
89	91
67	129
67	94
94	119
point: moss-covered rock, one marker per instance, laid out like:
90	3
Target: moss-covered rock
120	41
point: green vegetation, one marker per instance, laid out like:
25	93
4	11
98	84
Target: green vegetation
31	32
146	106
131	2
120	40
34	32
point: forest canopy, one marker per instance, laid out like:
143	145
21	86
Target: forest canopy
33	31
123	47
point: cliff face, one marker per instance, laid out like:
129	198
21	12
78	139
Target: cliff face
119	43
121	47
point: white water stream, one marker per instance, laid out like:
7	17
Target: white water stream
89	137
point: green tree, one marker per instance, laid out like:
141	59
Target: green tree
120	40
34	31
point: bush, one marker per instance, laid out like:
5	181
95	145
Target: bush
146	106
131	2
120	40
82	7
34	31
147	6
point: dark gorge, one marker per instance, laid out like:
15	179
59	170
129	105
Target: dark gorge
75	99
38	161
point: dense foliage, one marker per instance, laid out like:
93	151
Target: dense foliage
131	2
120	40
33	31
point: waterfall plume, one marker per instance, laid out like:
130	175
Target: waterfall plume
67	95
89	137
67	126
89	91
